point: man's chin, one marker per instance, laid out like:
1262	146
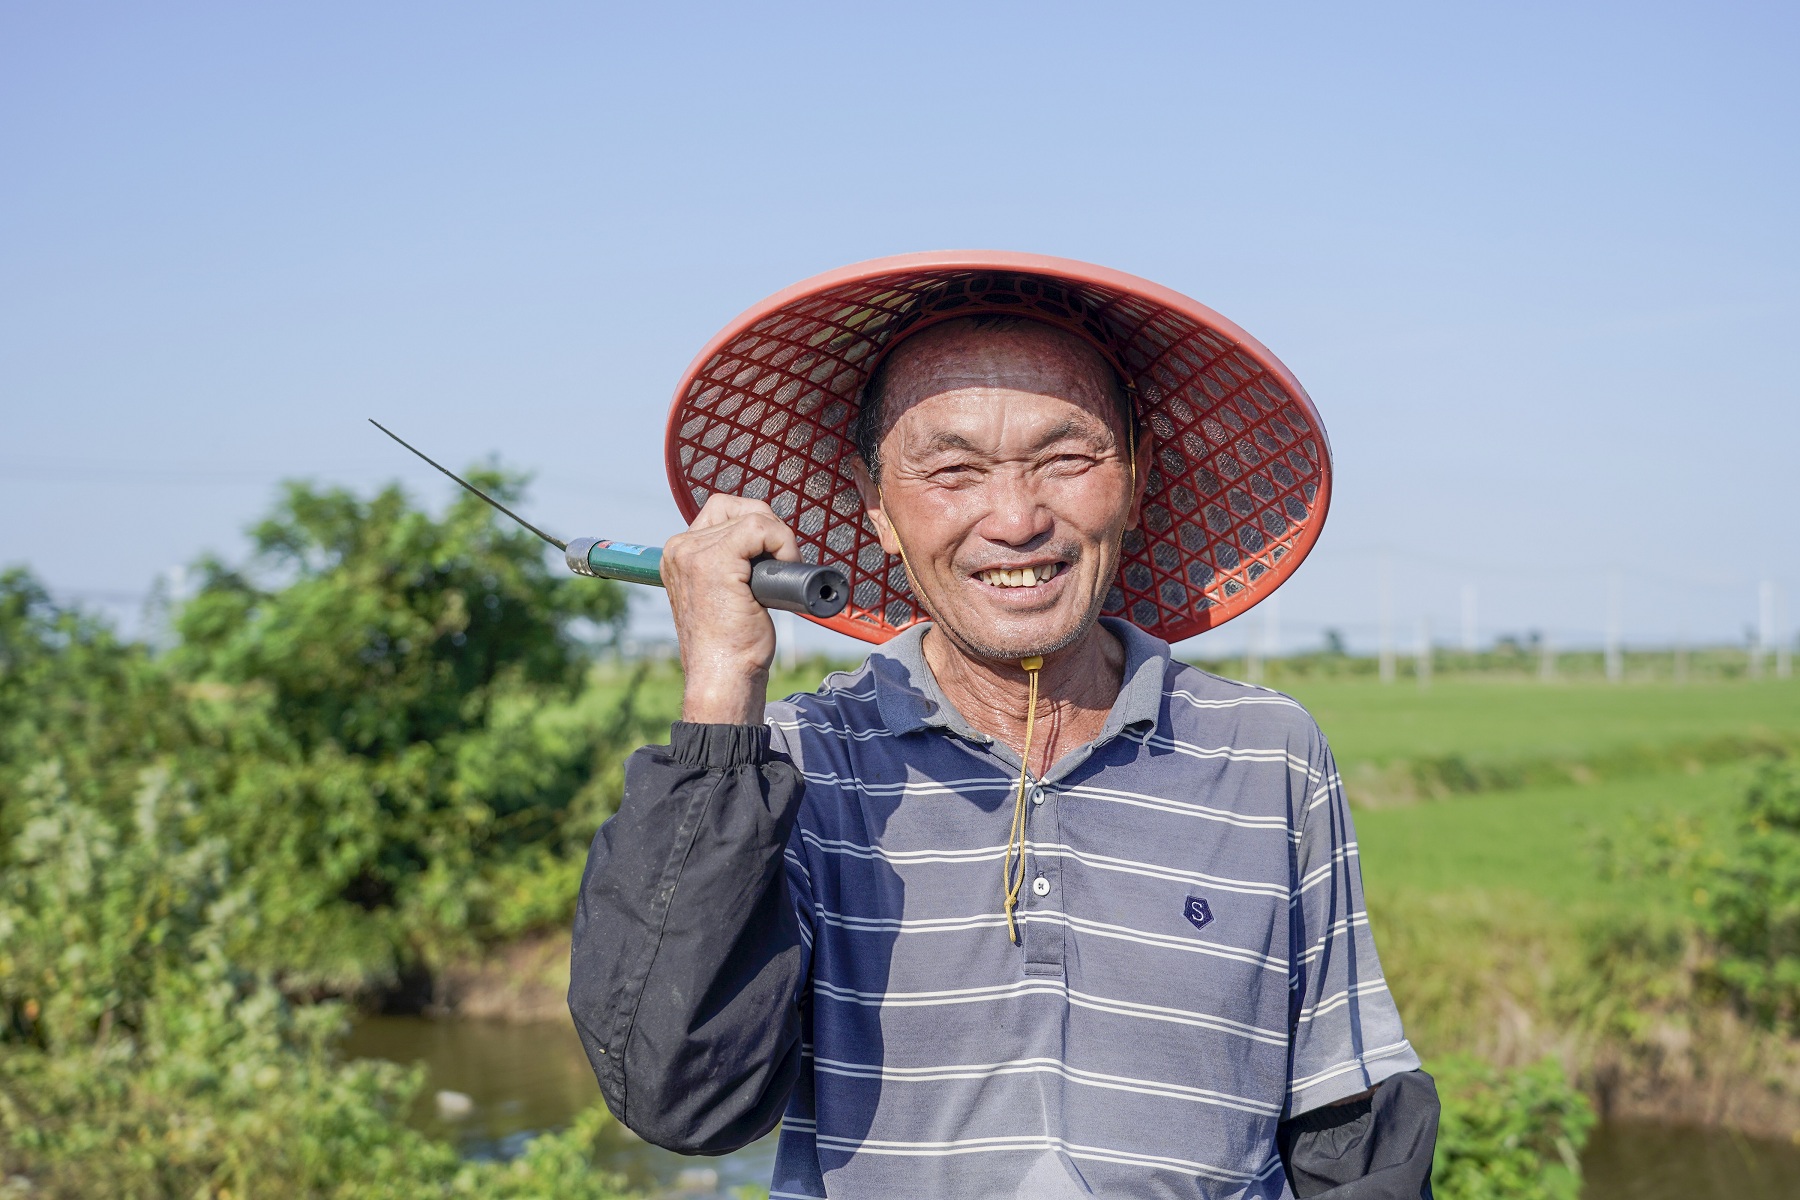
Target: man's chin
1012	639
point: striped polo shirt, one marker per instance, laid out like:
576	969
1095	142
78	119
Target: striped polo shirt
1195	966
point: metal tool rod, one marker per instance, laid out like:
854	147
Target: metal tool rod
808	588
559	544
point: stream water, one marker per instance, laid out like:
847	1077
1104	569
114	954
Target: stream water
525	1078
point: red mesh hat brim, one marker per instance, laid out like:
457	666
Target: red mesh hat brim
1234	501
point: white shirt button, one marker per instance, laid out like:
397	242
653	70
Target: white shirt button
1037	795
1040	886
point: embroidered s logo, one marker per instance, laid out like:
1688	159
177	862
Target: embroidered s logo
1198	911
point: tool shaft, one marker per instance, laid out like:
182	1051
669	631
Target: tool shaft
817	591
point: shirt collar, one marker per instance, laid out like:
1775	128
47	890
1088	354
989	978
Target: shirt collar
910	700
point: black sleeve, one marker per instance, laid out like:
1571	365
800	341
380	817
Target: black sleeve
1378	1148
687	962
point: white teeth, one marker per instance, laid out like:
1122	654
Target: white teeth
1023	577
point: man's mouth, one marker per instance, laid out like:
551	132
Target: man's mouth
1020	577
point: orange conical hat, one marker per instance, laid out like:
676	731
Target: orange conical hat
1234	502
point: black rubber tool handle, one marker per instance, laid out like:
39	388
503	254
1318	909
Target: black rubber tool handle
817	591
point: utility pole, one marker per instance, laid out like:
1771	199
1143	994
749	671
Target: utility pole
1784	639
1468	618
1765	627
1387	618
1615	655
1422	654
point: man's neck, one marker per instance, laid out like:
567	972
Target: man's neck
1076	689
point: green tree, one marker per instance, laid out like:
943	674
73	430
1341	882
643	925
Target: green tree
397	743
383	716
376	628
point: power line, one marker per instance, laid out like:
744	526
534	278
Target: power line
88	471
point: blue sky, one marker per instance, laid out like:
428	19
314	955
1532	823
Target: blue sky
1537	264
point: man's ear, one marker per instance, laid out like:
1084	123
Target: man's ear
872	506
1141	480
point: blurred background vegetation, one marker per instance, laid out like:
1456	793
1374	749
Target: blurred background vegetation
362	767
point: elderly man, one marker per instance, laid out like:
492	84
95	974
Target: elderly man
1022	906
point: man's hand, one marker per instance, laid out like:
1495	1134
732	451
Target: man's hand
727	639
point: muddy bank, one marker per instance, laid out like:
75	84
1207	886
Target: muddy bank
1712	1071
525	981
1628	1013
1701	1067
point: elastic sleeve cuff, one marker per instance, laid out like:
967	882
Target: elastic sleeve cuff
1330	1116
719	747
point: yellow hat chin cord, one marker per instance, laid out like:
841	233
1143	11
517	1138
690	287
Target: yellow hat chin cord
1013	880
1015	838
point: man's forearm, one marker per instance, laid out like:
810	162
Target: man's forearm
687	960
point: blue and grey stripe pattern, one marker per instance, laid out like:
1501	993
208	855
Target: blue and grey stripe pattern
1196	961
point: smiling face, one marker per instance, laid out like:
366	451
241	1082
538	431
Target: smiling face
1003	468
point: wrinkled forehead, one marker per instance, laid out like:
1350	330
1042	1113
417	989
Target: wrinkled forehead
1012	359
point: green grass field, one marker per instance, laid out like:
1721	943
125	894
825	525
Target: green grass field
1546	843
1369	723
1492	907
1543	840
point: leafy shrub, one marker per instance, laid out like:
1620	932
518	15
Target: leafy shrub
144	1064
1508	1135
1632	978
1749	900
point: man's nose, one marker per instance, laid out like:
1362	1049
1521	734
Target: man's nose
1015	516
